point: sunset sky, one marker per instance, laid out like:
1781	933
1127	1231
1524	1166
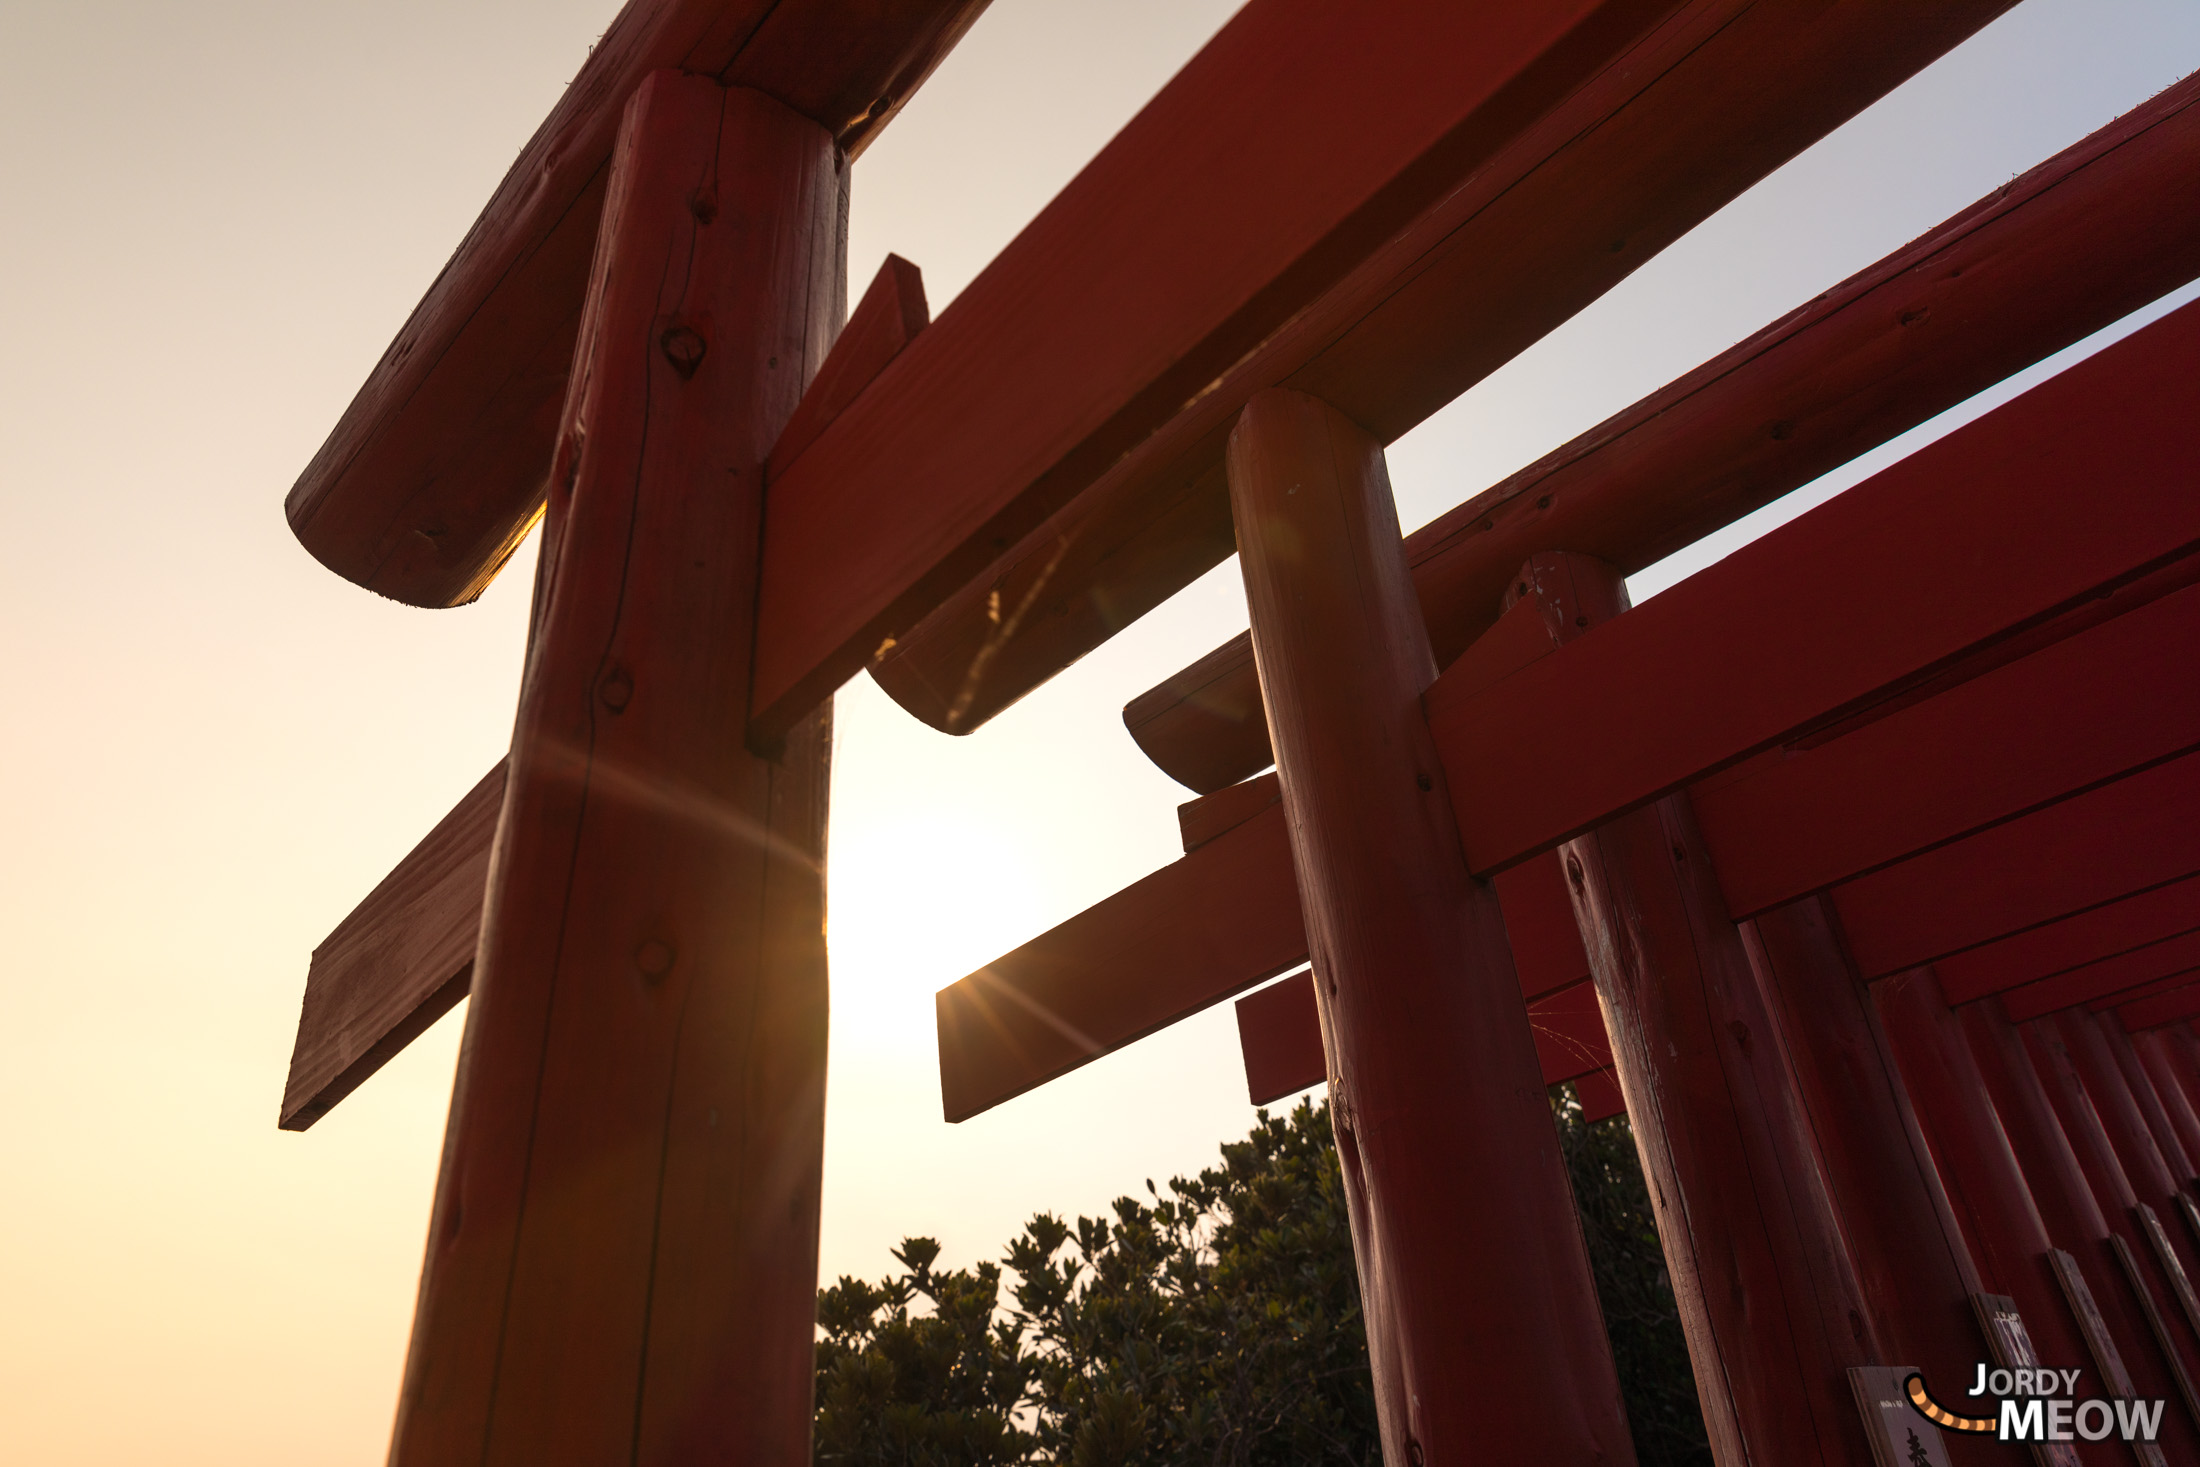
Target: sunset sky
217	215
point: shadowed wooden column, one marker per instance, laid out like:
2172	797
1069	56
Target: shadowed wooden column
2153	1048
2152	1175
1482	1320
2139	1081
622	1259
1916	1261
1768	1292
2072	1210
2010	1225
2104	1174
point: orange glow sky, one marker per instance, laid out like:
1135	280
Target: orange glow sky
217	214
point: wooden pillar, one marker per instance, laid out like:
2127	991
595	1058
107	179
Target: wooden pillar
2073	1212
2184	1047
1914	1256
2124	1123
1767	1288
1482	1320
2176	1153
2154	1277
622	1258
2154	1048
2011	1224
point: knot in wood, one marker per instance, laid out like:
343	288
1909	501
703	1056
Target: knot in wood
653	959
684	348
616	690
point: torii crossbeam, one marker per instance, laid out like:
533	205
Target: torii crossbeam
1707	852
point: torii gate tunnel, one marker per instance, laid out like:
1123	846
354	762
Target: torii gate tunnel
1862	868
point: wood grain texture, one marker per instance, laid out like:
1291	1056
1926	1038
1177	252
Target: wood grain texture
2066	1201
887	319
1692	114
400	961
622	1256
2081	240
1959	545
1190	935
2098	934
1484	1335
436	471
1298	141
1994	1224
2113	842
1802	818
2095	1116
1773	1306
1912	1256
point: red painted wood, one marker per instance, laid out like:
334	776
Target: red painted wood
1802	818
1912	1258
1569	1033
2116	1002
2183	1047
622	1255
1297	143
887	319
2168	1139
1280	1035
2058	1186
2097	934
2076	243
1221	920
1539	924
2002	1230
435	472
400	961
2098	1157
2152	1175
1701	108
1200	821
1768	1296
1600	1096
1961	543
1457	1195
2128	837
2106	979
2162	1008
2152	1048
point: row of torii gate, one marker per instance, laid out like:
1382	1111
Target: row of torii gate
1862	867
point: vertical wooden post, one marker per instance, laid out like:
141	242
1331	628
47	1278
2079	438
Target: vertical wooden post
2148	1171
2154	1049
622	1258
1768	1291
2011	1226
1482	1320
2077	1216
2139	1080
1917	1263
2105	1174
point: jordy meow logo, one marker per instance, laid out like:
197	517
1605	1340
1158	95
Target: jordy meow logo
2040	1406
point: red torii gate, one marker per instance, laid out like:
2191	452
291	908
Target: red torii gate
622	1256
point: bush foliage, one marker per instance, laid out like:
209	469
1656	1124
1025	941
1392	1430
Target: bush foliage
1217	1324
